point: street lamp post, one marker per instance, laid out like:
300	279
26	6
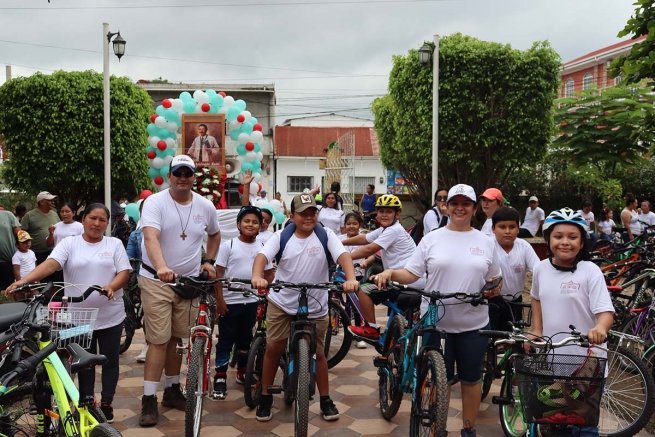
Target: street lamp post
426	52
119	51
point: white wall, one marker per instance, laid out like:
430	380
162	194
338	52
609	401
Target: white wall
331	120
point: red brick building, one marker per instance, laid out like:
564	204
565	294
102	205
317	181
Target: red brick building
591	69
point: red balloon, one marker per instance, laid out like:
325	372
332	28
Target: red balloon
152	154
241	189
257	127
250	146
241	118
161	145
166	103
144	194
259	187
205	107
153	117
222	94
159	180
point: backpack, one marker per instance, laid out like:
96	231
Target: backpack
416	232
320	233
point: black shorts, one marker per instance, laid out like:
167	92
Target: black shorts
6	274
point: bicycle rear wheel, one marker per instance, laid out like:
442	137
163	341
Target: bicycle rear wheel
488	370
338	338
104	430
301	412
129	327
511	415
195	388
252	386
390	376
16	404
430	410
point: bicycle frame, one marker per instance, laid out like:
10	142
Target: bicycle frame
202	329
301	327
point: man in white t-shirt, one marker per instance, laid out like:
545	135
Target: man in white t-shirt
534	218
174	222
303	259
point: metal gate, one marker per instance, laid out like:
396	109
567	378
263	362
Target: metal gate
340	167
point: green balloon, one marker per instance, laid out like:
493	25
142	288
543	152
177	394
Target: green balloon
152	129
246	166
153	172
132	210
171	152
279	217
164	171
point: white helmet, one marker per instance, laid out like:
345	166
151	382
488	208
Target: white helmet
565	215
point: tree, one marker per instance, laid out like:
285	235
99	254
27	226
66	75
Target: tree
639	64
53	131
158	80
495	113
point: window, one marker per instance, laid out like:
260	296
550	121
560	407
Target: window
618	79
587	81
362	182
296	184
568	89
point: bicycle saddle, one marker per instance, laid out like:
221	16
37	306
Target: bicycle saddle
11	313
83	359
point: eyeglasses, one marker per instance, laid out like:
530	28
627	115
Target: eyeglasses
441	198
182	174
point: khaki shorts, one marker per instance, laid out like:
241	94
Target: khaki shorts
278	325
165	314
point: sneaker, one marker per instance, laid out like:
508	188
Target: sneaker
108	410
241	375
367	332
220	386
360	344
141	358
173	398
329	410
264	413
149	411
468	432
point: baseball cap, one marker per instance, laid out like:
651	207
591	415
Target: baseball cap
533	199
264	192
44	195
462	190
182	161
492	194
301	202
23	236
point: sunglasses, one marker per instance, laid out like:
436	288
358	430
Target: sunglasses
441	198
181	174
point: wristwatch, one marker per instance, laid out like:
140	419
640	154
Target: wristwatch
208	260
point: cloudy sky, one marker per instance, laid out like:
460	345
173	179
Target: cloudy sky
322	55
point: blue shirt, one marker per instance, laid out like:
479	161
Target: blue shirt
134	244
368	202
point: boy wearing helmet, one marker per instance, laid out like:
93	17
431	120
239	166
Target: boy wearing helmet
568	289
395	245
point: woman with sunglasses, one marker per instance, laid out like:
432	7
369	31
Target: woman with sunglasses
437	216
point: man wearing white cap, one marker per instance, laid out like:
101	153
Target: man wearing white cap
534	218
173	222
40	223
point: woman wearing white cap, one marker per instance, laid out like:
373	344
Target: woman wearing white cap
457	257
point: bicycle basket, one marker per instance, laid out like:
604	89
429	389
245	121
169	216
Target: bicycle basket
560	389
68	324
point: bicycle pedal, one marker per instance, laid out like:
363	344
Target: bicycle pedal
501	400
380	361
275	389
216	396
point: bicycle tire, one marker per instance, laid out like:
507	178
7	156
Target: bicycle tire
104	430
487	372
252	387
431	398
194	388
630	327
289	396
342	340
639	394
301	410
511	415
390	393
16	402
129	327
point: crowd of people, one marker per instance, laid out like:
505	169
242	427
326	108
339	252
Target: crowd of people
451	255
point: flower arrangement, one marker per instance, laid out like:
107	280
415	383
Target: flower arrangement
209	184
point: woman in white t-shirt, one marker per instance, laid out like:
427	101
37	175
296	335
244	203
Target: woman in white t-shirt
456	258
491	200
630	218
331	216
94	259
67	227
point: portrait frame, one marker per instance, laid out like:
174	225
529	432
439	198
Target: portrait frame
209	150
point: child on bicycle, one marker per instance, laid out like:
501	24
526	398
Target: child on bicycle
395	246
236	313
517	257
303	259
568	289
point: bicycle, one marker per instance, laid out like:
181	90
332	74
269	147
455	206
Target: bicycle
61	328
626	403
412	362
252	391
133	308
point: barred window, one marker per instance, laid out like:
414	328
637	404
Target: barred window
296	184
362	182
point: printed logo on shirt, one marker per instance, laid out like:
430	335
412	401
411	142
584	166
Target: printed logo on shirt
569	287
105	255
518	268
476	251
198	218
314	250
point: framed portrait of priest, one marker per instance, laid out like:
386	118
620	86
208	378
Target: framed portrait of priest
203	139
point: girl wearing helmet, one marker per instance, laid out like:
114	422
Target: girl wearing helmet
568	289
237	313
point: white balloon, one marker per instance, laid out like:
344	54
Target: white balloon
168	159
178	104
170	143
254	188
164	185
277	206
152	141
160	122
172	126
223	110
260	202
240	178
260	156
154	185
158	162
243	138
256	177
247	115
228	101
200	96
256	137
235	125
241	158
251	156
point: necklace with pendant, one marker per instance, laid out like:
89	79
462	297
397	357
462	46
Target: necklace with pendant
183	235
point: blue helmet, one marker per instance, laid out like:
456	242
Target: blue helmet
565	215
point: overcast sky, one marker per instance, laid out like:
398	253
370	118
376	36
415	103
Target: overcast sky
322	55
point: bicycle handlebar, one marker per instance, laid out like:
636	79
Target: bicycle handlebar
26	367
279	285
512	338
63	299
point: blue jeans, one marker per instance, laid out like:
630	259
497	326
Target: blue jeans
235	329
467	350
607	237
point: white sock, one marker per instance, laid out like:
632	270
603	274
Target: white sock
150	388
170	380
373	325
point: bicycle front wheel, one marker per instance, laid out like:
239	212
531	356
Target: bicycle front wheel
338	338
430	409
391	376
129	326
104	430
16	404
195	388
511	415
302	389
252	385
629	395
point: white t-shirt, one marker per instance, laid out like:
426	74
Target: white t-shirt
333	219
606	226
170	218
647	218
26	261
63	230
570	298
431	220
589	218
457	262
358	271
396	245
634	224
487	229
533	218
515	265
237	258
303	260
264	236
88	264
